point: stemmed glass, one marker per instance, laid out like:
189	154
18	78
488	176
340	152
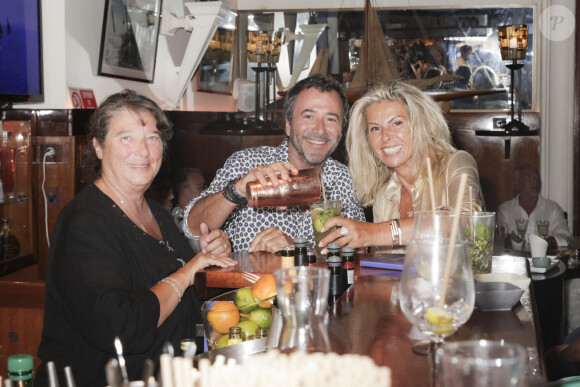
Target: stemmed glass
436	289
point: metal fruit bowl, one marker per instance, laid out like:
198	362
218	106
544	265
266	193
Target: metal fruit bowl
248	346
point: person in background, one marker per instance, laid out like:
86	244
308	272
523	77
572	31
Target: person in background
465	51
315	111
117	265
530	204
188	183
393	129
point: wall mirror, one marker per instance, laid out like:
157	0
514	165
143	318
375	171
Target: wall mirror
423	43
215	69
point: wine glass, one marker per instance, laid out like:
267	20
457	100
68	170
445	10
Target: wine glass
436	292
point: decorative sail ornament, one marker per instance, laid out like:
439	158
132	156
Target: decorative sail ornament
320	66
376	63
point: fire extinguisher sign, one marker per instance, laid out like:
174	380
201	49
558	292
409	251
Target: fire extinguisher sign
82	98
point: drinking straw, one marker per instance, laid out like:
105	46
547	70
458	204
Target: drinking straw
431	190
452	238
323	190
471	220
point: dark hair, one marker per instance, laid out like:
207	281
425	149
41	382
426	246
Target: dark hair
99	126
182	176
320	83
465	49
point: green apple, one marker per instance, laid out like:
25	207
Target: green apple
248	329
221	342
245	301
261	317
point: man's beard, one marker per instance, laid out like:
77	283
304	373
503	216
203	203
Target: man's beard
316	158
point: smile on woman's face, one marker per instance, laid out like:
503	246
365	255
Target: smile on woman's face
389	134
133	150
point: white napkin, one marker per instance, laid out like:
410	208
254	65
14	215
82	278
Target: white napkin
538	246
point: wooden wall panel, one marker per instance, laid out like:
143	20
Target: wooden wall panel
495	170
22	311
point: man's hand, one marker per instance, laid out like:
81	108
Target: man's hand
265	172
270	240
215	242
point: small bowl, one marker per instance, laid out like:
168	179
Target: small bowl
496	295
541	262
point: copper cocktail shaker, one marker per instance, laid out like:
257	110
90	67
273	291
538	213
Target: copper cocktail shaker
301	189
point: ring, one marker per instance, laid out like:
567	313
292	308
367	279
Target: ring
212	256
344	231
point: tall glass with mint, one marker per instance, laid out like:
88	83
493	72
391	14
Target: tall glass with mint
321	212
478	228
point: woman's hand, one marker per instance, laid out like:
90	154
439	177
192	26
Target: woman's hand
351	233
270	240
201	261
215	242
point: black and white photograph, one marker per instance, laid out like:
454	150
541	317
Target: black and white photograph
129	39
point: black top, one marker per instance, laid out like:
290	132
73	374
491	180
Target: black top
100	268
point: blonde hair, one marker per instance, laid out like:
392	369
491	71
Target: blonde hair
429	130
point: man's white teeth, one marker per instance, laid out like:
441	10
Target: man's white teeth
393	149
317	142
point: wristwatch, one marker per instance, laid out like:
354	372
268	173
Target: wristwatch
232	195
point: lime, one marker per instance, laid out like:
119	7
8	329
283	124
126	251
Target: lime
248	329
245	301
438	316
221	342
261	317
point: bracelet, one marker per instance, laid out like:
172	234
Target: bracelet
232	195
396	232
165	280
176	282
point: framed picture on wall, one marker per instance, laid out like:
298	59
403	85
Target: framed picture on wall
129	39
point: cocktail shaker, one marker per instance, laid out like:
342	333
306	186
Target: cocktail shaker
301	189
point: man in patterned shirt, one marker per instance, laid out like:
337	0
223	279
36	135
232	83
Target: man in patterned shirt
315	112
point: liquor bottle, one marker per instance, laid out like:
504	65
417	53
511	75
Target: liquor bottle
311	253
21	370
347	266
9	245
235	335
334	265
8	165
287	256
300	253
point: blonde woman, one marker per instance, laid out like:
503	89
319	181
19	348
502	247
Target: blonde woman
393	129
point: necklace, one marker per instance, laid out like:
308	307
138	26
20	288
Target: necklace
131	215
411	209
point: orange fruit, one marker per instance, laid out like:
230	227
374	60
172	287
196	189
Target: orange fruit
264	289
223	315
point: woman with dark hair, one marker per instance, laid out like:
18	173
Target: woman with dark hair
118	266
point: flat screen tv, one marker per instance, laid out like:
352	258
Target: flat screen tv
20	52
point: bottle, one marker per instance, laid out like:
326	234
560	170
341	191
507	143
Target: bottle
347	266
302	189
7	165
300	253
287	256
260	333
21	370
188	347
334	265
235	335
311	253
9	244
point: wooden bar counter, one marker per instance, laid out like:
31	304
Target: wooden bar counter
368	320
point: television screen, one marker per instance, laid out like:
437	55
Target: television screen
20	52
